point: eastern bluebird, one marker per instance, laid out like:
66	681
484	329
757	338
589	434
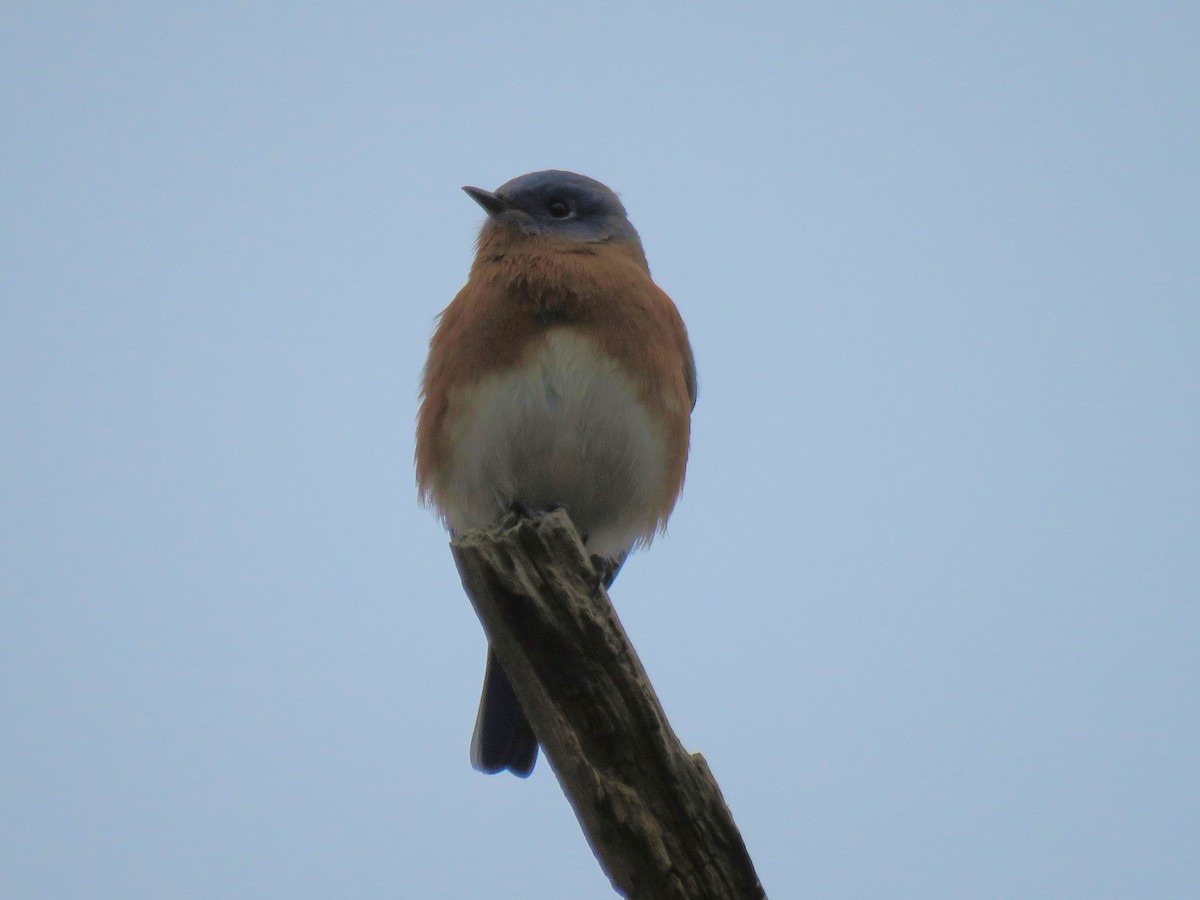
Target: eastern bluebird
560	376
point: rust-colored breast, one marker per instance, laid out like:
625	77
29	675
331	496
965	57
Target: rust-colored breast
519	289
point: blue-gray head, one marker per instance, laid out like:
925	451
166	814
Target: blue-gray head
558	203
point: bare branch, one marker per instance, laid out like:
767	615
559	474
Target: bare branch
652	813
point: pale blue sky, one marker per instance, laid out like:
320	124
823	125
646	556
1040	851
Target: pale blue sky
929	603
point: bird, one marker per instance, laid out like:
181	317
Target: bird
560	377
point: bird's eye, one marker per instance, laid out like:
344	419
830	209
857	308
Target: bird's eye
558	209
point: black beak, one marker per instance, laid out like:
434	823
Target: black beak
491	204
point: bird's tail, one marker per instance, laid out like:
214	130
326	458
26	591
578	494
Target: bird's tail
503	738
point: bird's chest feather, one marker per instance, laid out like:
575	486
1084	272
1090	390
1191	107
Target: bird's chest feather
563	428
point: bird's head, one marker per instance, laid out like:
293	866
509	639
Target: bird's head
557	203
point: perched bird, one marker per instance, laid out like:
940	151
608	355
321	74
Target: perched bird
560	377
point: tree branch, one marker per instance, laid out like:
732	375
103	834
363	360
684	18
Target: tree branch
652	813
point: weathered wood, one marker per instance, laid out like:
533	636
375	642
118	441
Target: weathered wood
652	813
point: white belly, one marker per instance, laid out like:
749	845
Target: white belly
565	430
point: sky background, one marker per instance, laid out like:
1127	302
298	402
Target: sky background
928	605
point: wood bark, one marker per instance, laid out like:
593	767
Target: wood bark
652	813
